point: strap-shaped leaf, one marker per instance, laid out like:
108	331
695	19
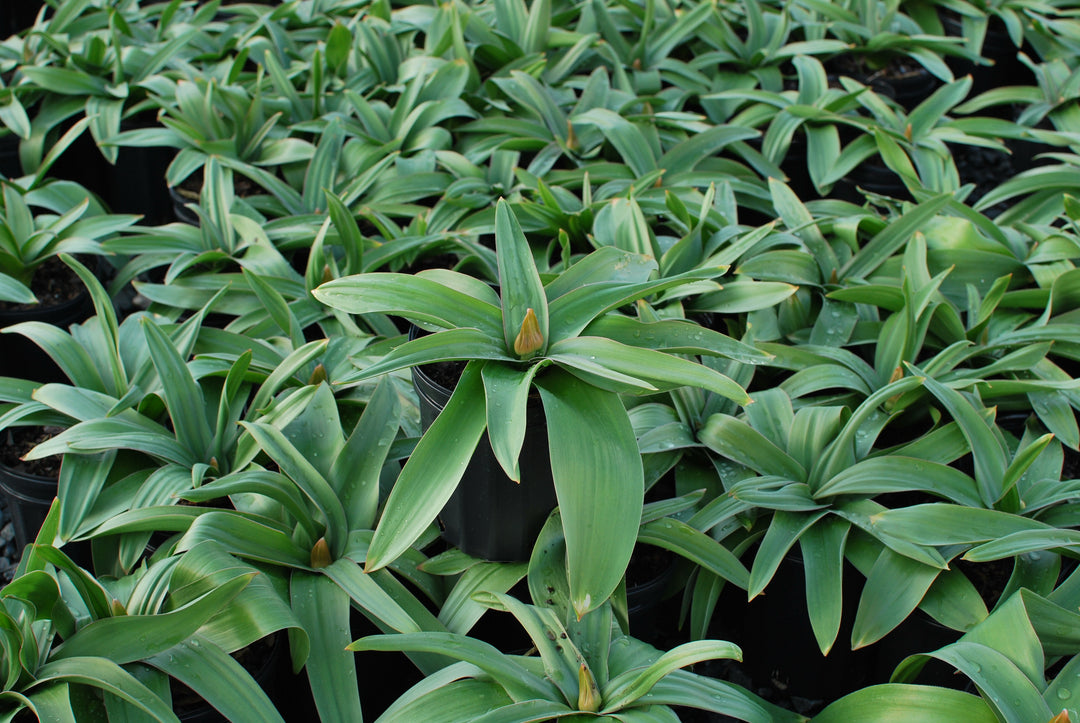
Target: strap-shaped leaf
784	530
106	675
946	524
574	310
217	678
655	368
449	345
413	297
517	680
892	238
323	609
822	547
910	703
692	544
369	596
72	358
519	282
599	482
895	586
433	471
989	457
97	435
628	687
560	655
183	396
738	441
127	638
893	473
506	394
628	139
1018	543
449	697
356	469
307	478
247	537
606	263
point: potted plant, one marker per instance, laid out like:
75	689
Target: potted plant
39	222
530	335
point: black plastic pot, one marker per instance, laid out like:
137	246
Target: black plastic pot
489	515
17	15
28	498
23	358
643	597
1005	67
870	176
180	210
272	671
780	652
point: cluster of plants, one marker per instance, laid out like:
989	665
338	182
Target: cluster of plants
781	291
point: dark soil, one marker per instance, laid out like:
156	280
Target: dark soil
53	283
445	374
17	441
986	168
647	564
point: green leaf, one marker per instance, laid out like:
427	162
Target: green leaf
655	368
307	478
822	547
127	638
738	441
891	473
356	470
797	218
463	607
894	588
684	156
892	238
506	395
947	524
245	537
107	676
323	610
448	697
367	594
217	678
1007	690
183	396
627	138
13	291
692	544
599	482
909	703
989	457
560	655
414	297
433	471
628	687
519	282
516	679
451	344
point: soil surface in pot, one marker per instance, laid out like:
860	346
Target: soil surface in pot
53	283
17	441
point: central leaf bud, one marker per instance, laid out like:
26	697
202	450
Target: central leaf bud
529	339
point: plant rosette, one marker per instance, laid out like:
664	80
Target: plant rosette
559	338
